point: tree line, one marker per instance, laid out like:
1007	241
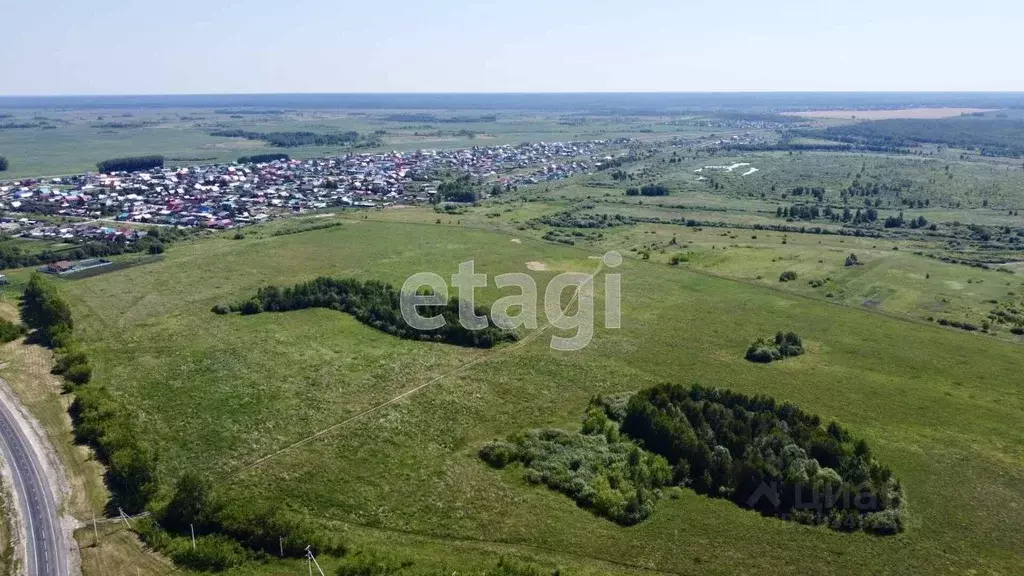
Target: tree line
648	190
130	164
262	158
767	456
292	139
374	303
98	420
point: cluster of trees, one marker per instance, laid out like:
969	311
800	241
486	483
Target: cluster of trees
292	139
228	534
817	192
155	241
462	189
648	190
262	158
98	420
3	164
766	455
851	260
787	276
813	212
899	222
765	350
569	219
375	304
130	164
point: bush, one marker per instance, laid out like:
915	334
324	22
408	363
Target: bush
765	350
787	276
851	260
221	309
79	373
3	164
608	475
1018	330
252	306
9	331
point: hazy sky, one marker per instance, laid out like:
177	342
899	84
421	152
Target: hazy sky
212	46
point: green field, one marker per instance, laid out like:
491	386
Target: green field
215	394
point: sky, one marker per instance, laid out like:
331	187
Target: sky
273	46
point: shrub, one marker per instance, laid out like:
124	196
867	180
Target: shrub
851	260
765	350
3	164
252	306
221	309
9	331
1018	330
79	373
787	276
610	476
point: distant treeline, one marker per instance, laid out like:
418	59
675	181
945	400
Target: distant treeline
123	125
375	304
785	146
3	164
248	111
648	190
433	119
130	164
992	137
262	158
292	139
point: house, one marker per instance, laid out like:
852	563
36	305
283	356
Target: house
60	267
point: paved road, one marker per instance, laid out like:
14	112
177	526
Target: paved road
47	551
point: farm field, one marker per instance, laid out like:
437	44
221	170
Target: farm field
215	394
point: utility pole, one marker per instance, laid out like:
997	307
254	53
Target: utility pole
312	561
193	529
280	545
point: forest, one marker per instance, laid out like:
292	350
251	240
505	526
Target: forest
375	304
991	137
130	164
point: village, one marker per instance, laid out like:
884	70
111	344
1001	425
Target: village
227	196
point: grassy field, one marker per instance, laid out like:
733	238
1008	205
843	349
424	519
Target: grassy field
215	394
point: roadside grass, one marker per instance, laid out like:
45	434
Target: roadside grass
215	393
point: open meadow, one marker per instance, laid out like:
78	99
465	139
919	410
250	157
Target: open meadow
230	397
